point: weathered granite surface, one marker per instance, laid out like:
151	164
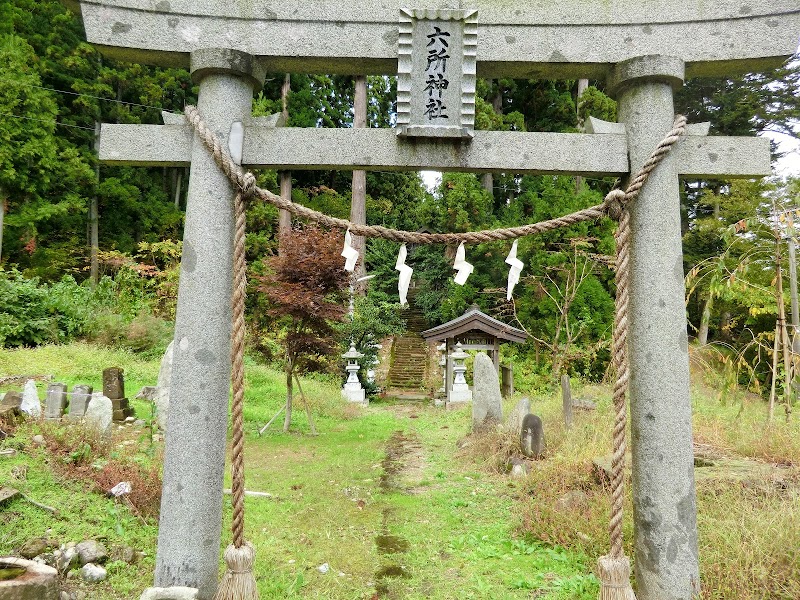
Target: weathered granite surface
487	402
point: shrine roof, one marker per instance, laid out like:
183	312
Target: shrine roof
475	320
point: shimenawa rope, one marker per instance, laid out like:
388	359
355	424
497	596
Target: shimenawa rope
238	583
614	568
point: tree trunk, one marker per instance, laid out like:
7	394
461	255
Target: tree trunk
787	362
582	85
284	216
309	414
774	372
287	420
487	182
178	187
358	203
2	216
93	215
702	333
566	400
793	286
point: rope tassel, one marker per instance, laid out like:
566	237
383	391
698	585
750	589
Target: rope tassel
238	583
615	577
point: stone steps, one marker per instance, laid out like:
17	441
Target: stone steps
410	352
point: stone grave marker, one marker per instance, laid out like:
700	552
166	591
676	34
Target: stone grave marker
56	401
114	383
30	399
100	413
114	389
163	387
81	394
644	51
487	402
532	436
515	417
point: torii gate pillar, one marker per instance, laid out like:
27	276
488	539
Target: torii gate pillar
664	506
194	456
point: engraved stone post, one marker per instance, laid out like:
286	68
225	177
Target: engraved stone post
194	456
664	510
81	394
56	401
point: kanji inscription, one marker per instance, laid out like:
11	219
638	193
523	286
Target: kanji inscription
436	73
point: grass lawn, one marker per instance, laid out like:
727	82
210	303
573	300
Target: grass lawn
384	497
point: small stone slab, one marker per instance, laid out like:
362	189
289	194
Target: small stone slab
148	392
12	400
161	398
8	493
583	404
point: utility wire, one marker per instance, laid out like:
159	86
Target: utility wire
13	116
40	87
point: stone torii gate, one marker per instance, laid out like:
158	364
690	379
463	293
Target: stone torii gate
643	49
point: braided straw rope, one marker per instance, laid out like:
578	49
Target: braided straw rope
615	567
238	583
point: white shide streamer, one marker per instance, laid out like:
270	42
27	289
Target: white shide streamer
462	266
350	254
405	275
515	270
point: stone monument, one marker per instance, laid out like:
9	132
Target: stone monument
30	399
532	436
644	50
81	394
487	402
55	402
114	389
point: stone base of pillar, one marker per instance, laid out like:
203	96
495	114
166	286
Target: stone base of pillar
169	593
460	395
355	395
456	404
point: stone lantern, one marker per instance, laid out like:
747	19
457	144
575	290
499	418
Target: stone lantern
352	389
460	391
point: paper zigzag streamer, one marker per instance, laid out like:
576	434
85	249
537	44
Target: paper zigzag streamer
462	266
350	254
405	275
514	271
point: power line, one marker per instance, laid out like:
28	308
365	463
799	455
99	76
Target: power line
13	116
40	87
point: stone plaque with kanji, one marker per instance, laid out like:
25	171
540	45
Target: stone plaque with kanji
436	73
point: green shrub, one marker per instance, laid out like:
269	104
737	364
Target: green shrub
115	313
34	313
